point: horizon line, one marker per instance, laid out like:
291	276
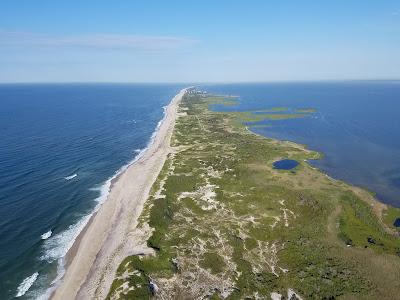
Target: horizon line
198	82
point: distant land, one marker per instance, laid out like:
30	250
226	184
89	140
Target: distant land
225	221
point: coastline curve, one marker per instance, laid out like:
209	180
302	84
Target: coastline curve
109	236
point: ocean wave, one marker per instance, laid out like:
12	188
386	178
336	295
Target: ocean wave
26	284
46	235
71	177
58	245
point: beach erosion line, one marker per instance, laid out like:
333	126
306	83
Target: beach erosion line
57	247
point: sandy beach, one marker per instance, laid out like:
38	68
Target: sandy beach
111	234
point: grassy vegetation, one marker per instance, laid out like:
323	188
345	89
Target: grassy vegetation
272	110
227	225
390	216
249	116
223	100
359	227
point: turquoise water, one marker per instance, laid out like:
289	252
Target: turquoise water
356	126
60	145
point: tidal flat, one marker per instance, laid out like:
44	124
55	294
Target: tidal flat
222	223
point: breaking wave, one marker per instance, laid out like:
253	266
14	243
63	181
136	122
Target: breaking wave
58	245
46	235
71	177
26	284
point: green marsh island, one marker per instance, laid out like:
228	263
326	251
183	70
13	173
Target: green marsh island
223	223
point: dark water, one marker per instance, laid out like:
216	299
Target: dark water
285	164
356	126
49	133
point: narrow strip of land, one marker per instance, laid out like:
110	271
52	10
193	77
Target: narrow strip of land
111	234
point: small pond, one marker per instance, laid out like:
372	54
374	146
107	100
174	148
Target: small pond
397	223
285	164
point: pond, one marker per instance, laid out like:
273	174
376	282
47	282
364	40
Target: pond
285	164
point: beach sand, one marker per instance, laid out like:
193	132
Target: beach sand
111	235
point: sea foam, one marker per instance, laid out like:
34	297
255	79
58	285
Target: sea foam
26	284
71	177
46	235
57	246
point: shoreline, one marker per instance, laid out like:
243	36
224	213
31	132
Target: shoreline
368	196
385	203
109	235
110	182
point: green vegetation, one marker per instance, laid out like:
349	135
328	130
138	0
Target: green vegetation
389	217
249	116
225	224
223	100
213	262
272	110
359	227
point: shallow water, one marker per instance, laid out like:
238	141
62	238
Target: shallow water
356	126
59	145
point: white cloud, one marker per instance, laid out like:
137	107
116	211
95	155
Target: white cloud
97	40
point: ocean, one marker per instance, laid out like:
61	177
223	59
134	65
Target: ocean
356	126
60	145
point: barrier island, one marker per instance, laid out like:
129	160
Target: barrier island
222	223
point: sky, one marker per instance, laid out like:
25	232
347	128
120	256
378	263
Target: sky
198	41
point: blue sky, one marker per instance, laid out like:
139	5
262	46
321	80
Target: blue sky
198	41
